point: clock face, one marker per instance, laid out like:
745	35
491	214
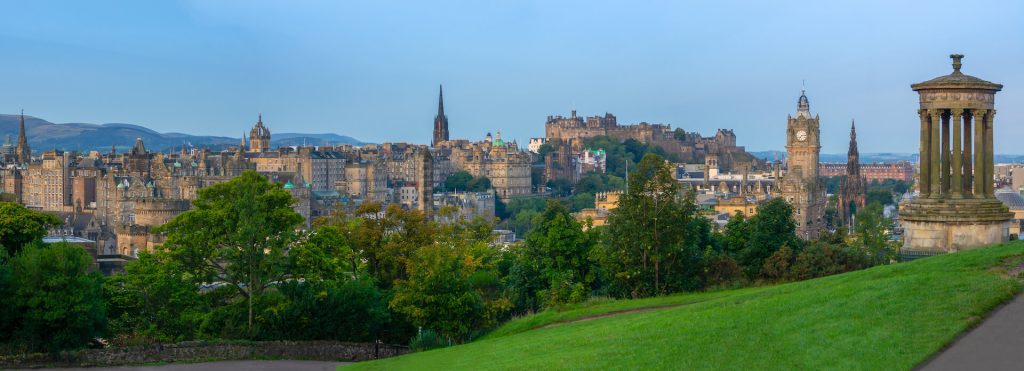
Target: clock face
801	135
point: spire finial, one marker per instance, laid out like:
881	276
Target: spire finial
956	61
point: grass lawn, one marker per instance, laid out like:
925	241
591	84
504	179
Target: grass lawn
890	317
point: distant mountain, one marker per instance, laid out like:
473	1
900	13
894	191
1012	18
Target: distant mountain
44	135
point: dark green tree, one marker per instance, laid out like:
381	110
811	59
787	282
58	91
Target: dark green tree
651	245
20	226
154	299
770	229
59	302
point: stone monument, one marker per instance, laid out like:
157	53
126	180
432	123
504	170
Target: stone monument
956	208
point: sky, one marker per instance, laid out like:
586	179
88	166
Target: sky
371	69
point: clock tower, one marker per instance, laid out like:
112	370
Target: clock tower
802	186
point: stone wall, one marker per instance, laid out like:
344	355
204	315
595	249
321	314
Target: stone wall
196	351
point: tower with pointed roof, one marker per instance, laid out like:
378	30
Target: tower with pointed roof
802	186
259	137
853	190
440	121
22	152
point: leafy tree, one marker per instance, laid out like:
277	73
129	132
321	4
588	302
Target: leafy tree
478	184
652	245
350	310
438	293
871	236
770	229
558	250
20	226
458	181
154	299
324	254
581	201
737	231
882	197
236	233
386	241
59	302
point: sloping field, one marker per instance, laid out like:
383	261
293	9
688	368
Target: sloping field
890	317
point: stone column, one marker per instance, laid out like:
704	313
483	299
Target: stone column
967	176
933	159
989	155
923	162
956	181
945	154
979	153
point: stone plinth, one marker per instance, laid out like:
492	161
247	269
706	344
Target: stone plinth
939	226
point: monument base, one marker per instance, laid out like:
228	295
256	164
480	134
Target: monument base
933	227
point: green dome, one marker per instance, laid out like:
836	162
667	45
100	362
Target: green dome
289	185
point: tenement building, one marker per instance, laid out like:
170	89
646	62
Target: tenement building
802	186
956	209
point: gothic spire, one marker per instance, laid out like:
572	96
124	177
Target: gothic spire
440	121
22	152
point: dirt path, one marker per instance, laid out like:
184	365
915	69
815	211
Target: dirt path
610	314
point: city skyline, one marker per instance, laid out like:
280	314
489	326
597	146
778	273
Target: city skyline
209	68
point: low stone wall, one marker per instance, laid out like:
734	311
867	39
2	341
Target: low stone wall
195	351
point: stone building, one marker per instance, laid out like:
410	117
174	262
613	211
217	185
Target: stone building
873	172
503	163
853	189
956	209
802	186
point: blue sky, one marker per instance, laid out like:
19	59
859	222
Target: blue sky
371	69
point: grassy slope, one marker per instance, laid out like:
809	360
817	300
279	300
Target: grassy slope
890	317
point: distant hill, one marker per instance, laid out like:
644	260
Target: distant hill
44	135
878	157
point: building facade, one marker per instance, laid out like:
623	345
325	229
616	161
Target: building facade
802	186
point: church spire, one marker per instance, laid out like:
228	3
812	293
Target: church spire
22	152
853	155
440	121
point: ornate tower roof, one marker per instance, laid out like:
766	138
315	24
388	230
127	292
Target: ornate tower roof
803	106
853	155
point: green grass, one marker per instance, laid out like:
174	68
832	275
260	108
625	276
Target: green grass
890	317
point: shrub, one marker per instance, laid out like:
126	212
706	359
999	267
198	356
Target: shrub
426	340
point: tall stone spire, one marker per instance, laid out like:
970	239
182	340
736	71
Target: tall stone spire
853	189
22	152
440	121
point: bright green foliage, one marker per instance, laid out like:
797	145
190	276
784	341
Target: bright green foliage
886	317
871	229
770	229
237	233
737	231
438	293
652	245
58	302
324	254
20	226
154	300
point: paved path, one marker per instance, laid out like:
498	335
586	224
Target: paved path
996	344
226	365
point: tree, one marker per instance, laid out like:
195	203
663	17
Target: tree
236	233
438	293
737	231
58	301
154	299
652	237
324	254
386	241
458	181
20	226
770	229
871	234
558	251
